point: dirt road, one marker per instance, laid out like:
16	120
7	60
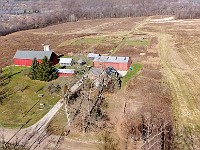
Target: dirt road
32	135
178	51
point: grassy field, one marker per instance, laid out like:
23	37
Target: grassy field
88	41
119	37
179	52
135	69
102	36
130	42
23	103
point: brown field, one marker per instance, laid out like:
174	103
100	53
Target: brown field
178	43
109	36
167	86
57	34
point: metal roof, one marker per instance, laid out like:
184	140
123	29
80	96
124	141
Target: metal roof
32	54
96	71
65	60
65	70
113	59
93	55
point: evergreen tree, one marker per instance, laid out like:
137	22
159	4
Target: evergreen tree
46	72
34	69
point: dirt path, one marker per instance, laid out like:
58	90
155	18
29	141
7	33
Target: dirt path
32	135
174	67
184	102
40	126
181	74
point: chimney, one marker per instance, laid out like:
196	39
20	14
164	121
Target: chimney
46	48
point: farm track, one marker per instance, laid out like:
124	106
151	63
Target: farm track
181	72
32	135
183	100
176	71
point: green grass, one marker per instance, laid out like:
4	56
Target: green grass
20	106
137	42
67	42
82	41
88	41
58	122
131	73
91	41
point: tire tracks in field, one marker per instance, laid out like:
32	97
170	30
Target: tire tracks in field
176	73
183	102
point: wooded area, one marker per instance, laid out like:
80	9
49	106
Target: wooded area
18	15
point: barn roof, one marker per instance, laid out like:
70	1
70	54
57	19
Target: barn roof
113	59
32	54
96	71
65	60
66	70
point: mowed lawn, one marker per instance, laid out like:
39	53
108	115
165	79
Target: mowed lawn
23	103
135	69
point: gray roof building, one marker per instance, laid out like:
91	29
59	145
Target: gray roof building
72	71
112	59
96	71
39	55
93	55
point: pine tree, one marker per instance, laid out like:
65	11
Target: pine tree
34	69
46	72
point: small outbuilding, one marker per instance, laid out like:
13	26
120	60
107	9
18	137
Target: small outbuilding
92	56
99	75
66	62
66	72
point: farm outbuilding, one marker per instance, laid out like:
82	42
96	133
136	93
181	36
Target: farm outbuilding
25	57
66	62
99	75
92	56
118	63
66	72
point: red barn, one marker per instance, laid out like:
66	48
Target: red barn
66	72
25	58
118	63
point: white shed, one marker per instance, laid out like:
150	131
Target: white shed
92	56
66	62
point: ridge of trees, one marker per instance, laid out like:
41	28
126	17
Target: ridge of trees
69	10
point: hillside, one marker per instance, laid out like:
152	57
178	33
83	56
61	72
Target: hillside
165	93
18	15
126	108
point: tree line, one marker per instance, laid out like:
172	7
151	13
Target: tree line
69	10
